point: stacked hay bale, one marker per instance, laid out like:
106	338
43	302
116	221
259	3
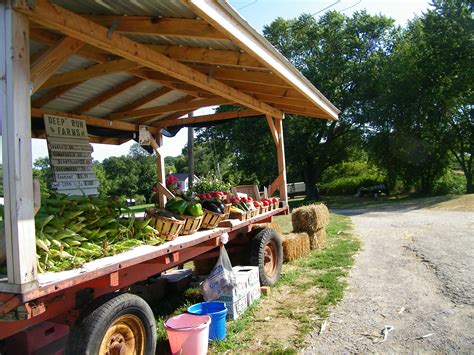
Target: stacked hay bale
312	219
295	245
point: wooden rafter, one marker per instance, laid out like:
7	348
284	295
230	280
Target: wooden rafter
167	122
154	111
96	101
145	25
92	121
208	56
53	94
145	99
184	99
273	130
76	26
49	38
45	66
304	111
94	71
249	76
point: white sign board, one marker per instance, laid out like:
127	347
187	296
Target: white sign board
70	155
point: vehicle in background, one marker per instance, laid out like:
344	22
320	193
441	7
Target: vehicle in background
296	189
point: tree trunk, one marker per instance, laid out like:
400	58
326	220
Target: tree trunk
469	187
310	178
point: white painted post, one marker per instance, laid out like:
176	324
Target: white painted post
160	168
16	153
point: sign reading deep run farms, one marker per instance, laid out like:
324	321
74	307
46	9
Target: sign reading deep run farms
70	155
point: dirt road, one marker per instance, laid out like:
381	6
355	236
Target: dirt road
413	281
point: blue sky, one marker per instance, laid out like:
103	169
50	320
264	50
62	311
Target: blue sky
260	13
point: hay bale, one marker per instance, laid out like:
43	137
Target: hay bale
295	245
317	240
310	218
273	225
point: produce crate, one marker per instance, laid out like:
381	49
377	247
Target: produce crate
240	216
253	213
227	210
211	220
263	209
191	225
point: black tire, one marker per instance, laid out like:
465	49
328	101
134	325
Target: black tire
264	241
87	335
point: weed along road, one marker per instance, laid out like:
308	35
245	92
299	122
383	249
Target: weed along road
411	288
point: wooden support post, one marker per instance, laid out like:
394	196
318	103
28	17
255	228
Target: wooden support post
281	161
16	133
160	169
190	154
273	130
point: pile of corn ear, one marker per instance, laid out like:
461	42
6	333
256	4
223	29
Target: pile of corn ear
72	230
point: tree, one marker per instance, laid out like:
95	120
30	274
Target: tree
341	56
416	120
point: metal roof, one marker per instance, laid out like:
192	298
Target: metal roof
233	64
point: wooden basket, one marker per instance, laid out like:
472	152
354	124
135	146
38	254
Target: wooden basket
191	225
263	209
253	213
167	228
211	220
239	216
227	207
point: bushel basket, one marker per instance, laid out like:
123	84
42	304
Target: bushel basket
168	228
211	220
191	224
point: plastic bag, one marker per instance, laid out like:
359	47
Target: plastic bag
221	279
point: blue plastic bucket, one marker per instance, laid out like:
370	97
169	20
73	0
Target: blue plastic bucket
218	312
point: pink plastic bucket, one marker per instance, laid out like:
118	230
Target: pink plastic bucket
188	334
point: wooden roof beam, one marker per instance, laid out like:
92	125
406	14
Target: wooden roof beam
91	72
53	94
92	121
96	101
208	56
49	62
76	26
146	25
167	122
224	18
187	98
145	99
49	38
153	111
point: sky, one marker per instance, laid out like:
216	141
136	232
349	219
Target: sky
260	13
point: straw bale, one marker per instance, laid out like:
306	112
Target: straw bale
273	225
310	218
295	245
317	240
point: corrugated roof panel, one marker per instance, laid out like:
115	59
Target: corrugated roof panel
74	63
185	41
125	98
86	91
164	8
169	98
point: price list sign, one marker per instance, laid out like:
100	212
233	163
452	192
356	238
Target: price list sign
70	155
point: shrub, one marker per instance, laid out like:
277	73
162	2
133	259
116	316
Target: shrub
210	183
139	199
450	183
347	177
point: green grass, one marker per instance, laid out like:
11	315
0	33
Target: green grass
316	282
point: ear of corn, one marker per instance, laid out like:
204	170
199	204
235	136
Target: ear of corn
71	231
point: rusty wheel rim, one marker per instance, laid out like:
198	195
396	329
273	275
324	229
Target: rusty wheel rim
270	258
126	336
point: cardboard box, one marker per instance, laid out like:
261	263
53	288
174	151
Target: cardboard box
253	295
235	308
250	273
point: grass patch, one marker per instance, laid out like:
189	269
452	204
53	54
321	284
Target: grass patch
297	304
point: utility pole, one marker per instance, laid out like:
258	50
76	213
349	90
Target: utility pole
190	154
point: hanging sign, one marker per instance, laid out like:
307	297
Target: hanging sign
70	155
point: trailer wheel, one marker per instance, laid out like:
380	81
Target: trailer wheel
266	252
122	325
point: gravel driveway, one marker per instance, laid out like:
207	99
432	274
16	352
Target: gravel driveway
413	280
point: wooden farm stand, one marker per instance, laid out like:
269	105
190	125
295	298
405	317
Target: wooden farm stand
117	66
